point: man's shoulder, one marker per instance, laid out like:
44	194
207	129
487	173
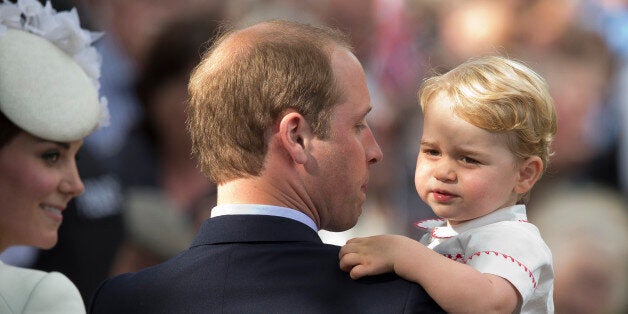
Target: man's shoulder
248	276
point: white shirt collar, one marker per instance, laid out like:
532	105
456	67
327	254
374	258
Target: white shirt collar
440	228
269	210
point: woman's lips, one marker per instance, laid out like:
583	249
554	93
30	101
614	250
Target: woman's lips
53	212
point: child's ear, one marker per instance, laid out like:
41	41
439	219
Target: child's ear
529	172
295	134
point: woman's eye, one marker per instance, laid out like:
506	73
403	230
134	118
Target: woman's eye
51	156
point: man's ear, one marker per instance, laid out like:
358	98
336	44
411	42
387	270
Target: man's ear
295	134
529	172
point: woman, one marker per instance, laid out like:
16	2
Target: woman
48	104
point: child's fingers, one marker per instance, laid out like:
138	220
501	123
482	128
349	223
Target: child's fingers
343	250
348	261
358	272
350	247
353	240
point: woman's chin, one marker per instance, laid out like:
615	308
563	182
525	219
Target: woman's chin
48	243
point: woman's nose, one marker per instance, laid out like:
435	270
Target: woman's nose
72	183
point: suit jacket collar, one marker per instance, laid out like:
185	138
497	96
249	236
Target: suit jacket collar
253	228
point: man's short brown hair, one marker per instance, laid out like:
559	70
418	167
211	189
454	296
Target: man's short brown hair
246	80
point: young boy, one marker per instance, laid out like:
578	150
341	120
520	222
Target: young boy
488	126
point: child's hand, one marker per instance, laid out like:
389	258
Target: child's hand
372	255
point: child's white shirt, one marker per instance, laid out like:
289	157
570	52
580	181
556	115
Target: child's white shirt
502	243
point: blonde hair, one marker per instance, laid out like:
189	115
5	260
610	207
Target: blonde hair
501	96
247	80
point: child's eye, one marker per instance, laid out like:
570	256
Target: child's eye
51	156
431	152
469	160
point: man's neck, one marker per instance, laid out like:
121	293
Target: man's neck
258	190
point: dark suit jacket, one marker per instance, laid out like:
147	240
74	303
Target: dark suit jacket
257	264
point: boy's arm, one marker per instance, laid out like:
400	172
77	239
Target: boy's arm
456	287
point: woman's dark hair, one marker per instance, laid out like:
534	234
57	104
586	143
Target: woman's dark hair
8	130
173	54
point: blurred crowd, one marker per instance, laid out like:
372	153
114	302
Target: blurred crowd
144	196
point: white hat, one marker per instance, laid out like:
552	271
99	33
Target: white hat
43	89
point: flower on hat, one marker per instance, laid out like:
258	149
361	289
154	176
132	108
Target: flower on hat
63	29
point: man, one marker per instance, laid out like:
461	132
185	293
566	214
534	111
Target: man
278	120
